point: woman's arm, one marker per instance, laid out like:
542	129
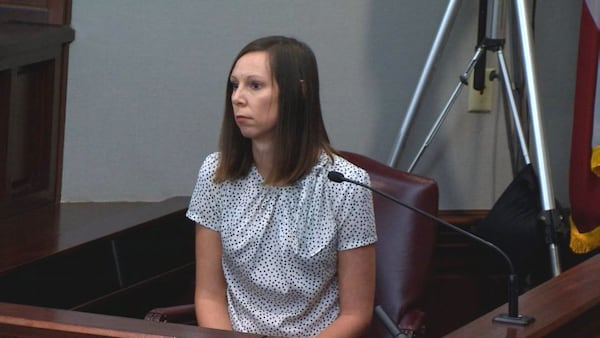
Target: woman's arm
356	278
210	297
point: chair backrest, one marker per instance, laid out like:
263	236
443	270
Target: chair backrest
405	239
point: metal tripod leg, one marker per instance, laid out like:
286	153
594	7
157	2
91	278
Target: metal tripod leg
550	216
508	92
510	98
438	44
442	116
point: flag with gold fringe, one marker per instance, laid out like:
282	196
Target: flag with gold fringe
584	171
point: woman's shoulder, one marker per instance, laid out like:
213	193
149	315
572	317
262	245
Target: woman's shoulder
347	168
211	160
214	156
209	165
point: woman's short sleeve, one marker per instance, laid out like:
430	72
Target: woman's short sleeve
355	208
204	204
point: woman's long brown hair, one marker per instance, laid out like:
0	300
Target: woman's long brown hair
300	133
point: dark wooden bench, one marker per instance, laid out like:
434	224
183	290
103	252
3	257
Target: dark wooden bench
97	257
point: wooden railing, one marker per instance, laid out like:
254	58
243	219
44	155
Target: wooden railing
565	306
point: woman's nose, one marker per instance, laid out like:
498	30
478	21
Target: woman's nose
237	97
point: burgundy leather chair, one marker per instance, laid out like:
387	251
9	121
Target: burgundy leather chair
404	249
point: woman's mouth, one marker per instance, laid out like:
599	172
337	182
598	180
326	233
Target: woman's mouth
241	118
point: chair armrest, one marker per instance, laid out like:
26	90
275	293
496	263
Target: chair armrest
181	314
412	324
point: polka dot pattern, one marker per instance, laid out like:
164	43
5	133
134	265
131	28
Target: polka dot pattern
280	244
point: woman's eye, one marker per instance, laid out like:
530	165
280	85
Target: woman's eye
255	85
234	85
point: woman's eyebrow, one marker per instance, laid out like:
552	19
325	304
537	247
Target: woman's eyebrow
251	76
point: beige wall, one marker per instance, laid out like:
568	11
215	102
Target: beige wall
146	84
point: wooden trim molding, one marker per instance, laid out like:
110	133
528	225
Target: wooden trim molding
55	12
463	218
34	50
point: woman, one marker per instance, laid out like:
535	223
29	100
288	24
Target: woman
280	249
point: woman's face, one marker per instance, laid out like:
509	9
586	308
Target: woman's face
255	96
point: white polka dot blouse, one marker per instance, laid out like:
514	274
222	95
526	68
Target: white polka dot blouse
280	244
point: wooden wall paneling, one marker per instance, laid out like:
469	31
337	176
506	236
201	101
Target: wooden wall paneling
463	285
32	132
32	67
33	75
61	101
56	12
5	76
59	12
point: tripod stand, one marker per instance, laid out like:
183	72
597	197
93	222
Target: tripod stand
495	43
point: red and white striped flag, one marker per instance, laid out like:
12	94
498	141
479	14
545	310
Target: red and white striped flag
584	173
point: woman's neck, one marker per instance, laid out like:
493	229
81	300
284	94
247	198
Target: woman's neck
263	157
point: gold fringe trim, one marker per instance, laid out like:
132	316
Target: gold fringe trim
595	162
583	242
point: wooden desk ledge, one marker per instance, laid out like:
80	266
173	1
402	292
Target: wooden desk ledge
26	320
567	305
